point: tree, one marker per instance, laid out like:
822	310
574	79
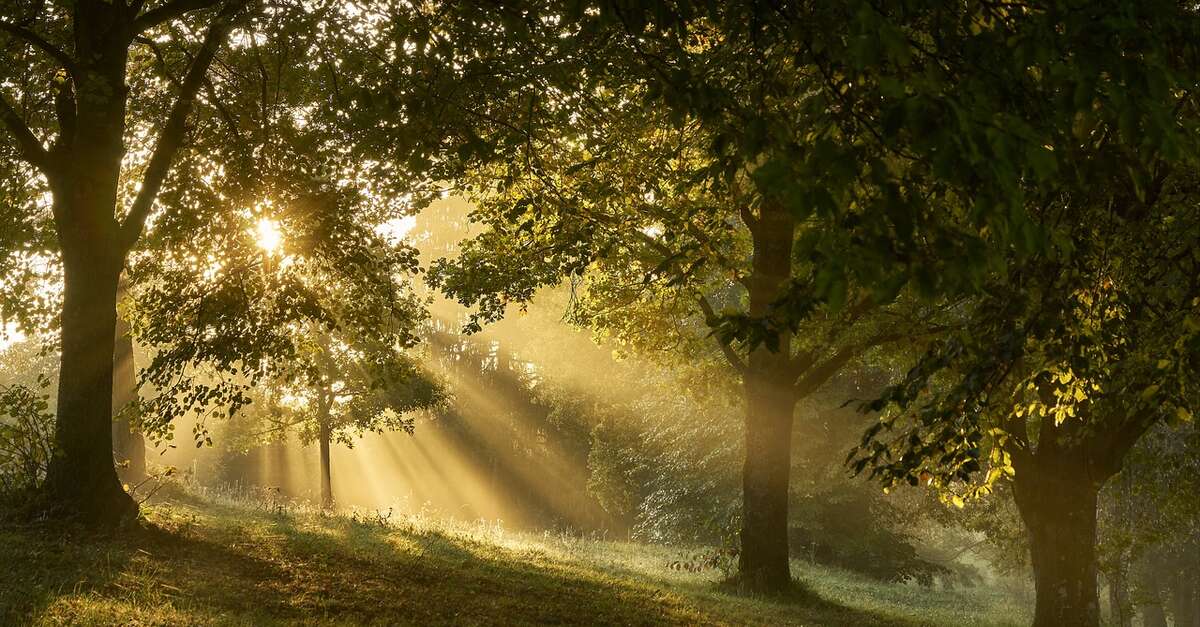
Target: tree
609	185
342	389
82	169
1056	378
311	300
130	114
1049	180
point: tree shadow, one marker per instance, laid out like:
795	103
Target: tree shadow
259	568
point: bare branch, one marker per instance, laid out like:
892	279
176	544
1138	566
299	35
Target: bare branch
40	43
814	377
710	316
209	88
160	59
31	148
172	134
169	11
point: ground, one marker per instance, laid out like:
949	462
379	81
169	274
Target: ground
204	560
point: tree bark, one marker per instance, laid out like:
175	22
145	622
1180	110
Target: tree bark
770	402
326	478
324	435
81	482
129	446
1058	506
765	482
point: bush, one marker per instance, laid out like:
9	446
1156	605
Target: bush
26	440
849	528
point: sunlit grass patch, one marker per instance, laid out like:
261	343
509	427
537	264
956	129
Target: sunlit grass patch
217	561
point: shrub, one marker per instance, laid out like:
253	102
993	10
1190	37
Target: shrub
26	439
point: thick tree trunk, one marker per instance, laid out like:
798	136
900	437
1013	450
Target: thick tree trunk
770	402
765	478
1058	507
129	446
81	481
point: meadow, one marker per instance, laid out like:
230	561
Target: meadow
229	559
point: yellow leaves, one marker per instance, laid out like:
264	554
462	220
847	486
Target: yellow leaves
1150	391
957	501
1062	412
1183	414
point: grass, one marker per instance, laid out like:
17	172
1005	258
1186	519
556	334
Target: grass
222	561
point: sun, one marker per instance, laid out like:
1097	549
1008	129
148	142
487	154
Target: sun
268	236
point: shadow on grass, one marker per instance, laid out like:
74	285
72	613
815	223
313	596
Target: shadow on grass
259	568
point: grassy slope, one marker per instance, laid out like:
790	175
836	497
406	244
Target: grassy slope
206	562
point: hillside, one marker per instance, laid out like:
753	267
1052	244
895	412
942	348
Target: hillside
217	561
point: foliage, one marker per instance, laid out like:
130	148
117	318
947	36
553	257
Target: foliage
223	314
26	439
27	382
1084	349
178	123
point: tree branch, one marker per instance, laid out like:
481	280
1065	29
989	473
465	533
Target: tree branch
168	12
39	42
1110	446
816	376
172	134
64	110
710	317
31	148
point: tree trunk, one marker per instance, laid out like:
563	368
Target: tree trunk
326	482
765	478
324	422
770	403
81	481
1058	506
129	446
